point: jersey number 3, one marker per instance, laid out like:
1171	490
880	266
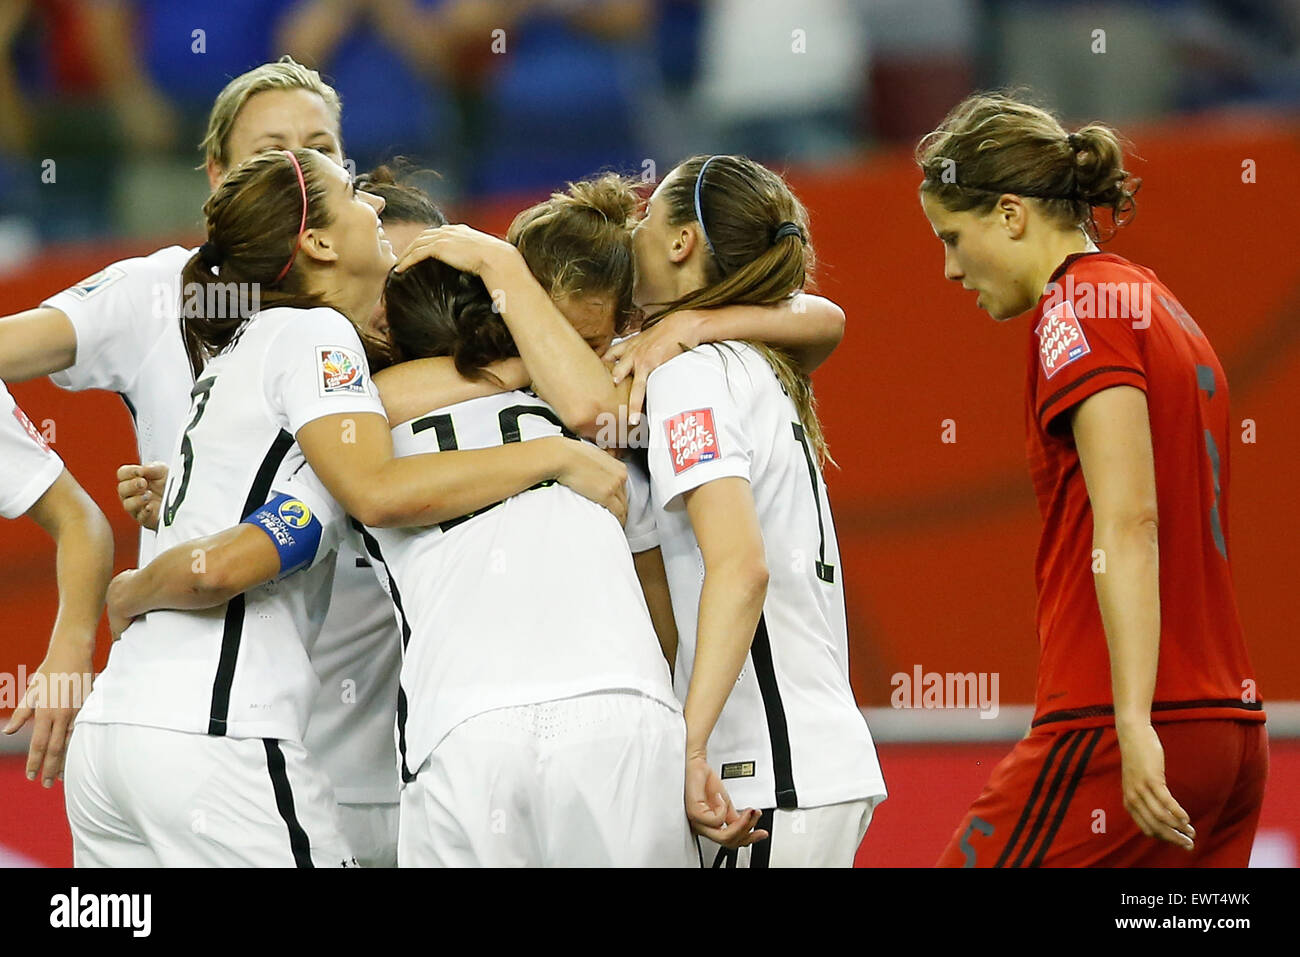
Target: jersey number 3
202	391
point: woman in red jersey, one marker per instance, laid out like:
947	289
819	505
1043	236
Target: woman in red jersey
1147	746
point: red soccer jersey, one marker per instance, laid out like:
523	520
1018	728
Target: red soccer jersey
1106	322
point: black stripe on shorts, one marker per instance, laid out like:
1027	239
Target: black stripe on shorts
298	843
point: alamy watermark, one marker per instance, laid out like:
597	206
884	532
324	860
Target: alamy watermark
958	690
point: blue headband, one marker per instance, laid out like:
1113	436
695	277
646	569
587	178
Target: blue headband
699	213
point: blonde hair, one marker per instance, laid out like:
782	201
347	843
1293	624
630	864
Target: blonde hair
284	74
580	241
993	143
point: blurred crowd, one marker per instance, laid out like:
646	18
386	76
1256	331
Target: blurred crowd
515	96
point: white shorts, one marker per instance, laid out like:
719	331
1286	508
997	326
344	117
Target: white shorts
149	797
371	832
590	781
825	836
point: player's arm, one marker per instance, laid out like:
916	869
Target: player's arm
36	342
200	573
275	540
725	522
649	566
808	327
84	562
413	388
1112	432
352	455
564	369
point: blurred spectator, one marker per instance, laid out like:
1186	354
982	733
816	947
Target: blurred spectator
782	81
569	94
393	63
922	64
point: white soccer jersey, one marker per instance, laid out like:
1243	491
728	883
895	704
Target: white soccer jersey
356	657
242	669
28	467
640	528
533	599
127	323
128	328
790	734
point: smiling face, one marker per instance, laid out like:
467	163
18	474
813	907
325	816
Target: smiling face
984	253
280	119
400	235
353	248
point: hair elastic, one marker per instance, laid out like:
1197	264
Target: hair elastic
302	225
787	228
208	254
699	213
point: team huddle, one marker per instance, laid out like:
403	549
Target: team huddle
418	582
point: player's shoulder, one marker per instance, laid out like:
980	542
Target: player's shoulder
312	325
716	360
1105	267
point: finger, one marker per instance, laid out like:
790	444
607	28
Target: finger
131	487
622	367
126	473
423	248
617	350
58	740
635	399
1170	816
154	471
40	740
20	717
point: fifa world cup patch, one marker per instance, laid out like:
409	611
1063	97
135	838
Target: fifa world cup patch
96	283
1060	338
692	439
30	429
341	370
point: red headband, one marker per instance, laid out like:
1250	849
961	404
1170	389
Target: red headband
302	185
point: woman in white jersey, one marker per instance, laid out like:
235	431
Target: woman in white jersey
540	726
120	330
747	536
192	689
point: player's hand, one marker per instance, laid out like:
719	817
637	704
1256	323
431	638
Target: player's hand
459	246
140	487
118	621
594	475
710	811
640	355
51	702
1146	798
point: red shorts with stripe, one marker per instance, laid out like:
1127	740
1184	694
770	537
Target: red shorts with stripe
1056	801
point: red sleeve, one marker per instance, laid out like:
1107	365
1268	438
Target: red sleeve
1078	353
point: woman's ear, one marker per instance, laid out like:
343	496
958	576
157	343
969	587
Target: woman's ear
1012	215
684	242
316	244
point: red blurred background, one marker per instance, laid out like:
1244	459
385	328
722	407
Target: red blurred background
937	540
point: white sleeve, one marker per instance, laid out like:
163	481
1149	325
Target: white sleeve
28	467
118	315
315	367
696	431
641	529
303	485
